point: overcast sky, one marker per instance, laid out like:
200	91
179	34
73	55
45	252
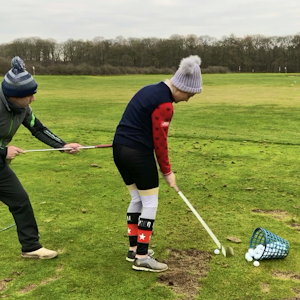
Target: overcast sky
86	19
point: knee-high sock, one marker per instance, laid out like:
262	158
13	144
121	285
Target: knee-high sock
133	213
146	221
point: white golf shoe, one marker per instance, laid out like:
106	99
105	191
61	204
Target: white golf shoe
41	253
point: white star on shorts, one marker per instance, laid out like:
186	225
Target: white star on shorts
142	236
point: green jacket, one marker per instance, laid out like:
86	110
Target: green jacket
12	117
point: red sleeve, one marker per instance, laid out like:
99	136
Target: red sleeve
161	118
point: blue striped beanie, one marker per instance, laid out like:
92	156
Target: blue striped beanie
188	77
18	82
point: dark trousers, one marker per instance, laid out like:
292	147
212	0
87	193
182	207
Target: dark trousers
16	198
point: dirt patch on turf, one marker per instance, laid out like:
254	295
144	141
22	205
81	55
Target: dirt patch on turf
289	275
60	268
265	288
275	213
186	267
279	214
3	283
294	225
286	275
27	288
31	287
48	280
296	291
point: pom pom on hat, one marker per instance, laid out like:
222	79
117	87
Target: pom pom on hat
18	82
17	64
188	76
187	64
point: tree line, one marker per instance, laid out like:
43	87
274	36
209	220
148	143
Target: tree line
154	55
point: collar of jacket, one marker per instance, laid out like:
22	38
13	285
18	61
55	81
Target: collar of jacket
4	100
10	106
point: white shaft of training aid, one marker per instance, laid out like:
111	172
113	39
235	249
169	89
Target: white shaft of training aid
203	223
63	149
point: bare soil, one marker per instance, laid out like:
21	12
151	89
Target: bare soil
186	268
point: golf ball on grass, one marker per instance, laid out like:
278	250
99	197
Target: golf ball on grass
216	251
256	263
248	257
251	252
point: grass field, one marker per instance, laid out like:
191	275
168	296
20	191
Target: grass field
235	151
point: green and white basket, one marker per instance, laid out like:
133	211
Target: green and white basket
274	245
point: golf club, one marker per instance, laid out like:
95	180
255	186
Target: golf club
225	251
62	149
7	227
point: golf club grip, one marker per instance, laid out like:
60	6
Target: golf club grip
103	146
201	220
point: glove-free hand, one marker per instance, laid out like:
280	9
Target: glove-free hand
74	147
13	151
171	181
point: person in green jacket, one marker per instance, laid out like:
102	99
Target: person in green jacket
16	94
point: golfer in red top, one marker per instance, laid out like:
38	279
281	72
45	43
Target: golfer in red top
143	128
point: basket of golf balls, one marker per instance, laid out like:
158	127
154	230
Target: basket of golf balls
266	245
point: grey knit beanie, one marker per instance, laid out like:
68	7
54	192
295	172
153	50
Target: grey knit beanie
18	82
188	77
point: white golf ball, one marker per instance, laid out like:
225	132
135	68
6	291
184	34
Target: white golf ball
248	257
260	247
257	255
251	252
216	251
256	263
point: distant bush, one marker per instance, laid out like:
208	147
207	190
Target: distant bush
167	71
67	68
215	69
4	65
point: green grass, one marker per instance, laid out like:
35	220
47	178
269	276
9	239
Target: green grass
242	131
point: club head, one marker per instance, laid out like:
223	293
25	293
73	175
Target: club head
229	252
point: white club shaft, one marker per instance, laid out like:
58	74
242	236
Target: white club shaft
203	223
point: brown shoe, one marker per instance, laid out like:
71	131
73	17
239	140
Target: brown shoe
41	253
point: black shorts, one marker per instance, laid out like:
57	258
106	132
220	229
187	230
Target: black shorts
136	166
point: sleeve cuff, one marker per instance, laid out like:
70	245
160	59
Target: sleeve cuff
166	173
3	152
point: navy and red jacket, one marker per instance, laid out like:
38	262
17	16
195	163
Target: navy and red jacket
145	123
